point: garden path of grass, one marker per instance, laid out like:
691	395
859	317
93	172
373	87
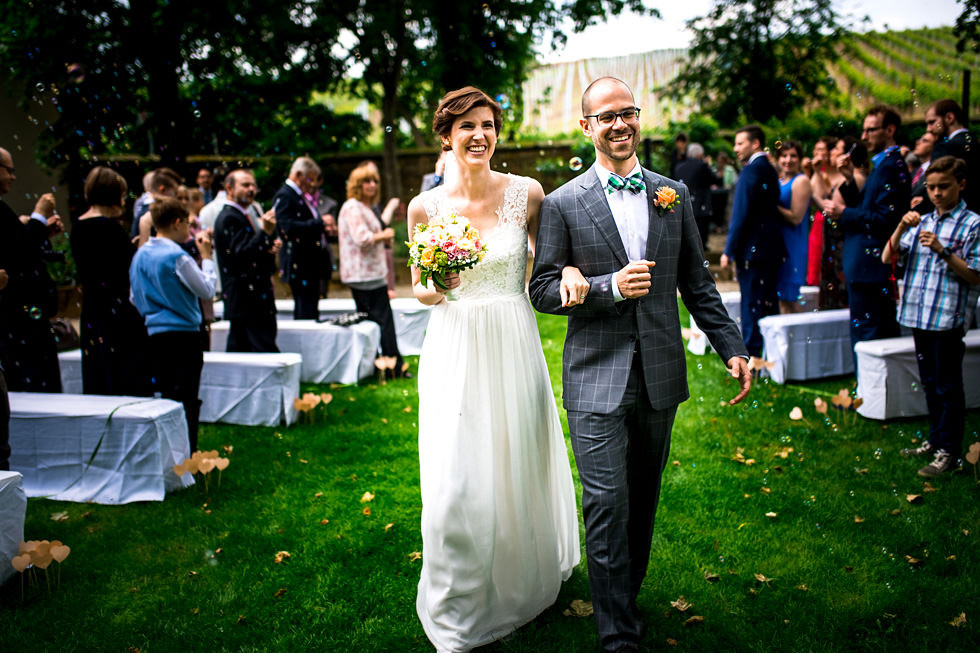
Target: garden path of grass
827	570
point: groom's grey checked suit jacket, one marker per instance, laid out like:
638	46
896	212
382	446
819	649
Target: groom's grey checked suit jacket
577	228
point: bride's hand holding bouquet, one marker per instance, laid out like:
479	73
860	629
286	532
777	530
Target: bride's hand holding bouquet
442	247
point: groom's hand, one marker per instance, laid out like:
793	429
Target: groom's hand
738	367
634	279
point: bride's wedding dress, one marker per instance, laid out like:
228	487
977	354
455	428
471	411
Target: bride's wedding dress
499	527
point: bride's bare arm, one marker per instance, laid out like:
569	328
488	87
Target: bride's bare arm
428	294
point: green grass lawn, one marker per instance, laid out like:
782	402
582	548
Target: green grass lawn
829	570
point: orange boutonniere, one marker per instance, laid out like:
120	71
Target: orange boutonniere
666	199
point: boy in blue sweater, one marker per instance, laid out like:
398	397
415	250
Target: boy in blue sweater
939	294
166	283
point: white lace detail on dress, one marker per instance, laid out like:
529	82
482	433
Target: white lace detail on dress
503	270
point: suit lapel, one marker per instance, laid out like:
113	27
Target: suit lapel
656	228
594	203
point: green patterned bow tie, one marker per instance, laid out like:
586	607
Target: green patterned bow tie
633	183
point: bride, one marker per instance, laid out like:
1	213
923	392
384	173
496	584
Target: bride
499	527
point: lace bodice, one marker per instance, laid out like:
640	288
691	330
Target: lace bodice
503	270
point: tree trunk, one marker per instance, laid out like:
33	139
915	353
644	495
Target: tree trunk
389	124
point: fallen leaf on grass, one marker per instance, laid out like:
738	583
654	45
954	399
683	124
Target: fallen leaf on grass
695	620
388	527
228	448
578	608
763	579
676	463
765	490
711	577
858	519
59	516
958	621
896	512
771	515
913	498
279	594
384	420
282	556
366	511
407	409
367	496
414	555
928	487
802	587
681	604
950	558
324	522
671	641
862	471
783	453
913	562
966	532
318	495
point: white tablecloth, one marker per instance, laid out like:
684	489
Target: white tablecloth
53	438
331	354
249	389
806	346
699	345
411	318
13	507
888	377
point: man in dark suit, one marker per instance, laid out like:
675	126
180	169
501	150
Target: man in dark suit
28	350
947	122
923	152
623	371
698	176
755	239
246	264
868	217
303	254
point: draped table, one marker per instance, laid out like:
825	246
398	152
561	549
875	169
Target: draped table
236	388
411	318
331	354
13	507
888	377
97	448
805	346
698	343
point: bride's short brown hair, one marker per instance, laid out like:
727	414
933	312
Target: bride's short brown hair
455	103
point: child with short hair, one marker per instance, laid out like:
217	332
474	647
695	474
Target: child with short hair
166	284
939	294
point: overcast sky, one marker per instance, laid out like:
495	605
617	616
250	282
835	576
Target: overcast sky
629	33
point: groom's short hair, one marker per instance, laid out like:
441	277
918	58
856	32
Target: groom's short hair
586	107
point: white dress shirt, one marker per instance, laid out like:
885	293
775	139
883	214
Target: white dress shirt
632	216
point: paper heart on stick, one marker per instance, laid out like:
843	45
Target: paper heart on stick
28	546
180	469
973	455
221	463
21	562
206	465
41	556
820	405
59	551
842	399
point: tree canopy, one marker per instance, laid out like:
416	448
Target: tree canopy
752	60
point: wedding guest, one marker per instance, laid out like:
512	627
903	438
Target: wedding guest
302	229
794	206
167	286
939	293
720	206
246	263
205	181
158	183
679	153
867	217
755	243
698	176
326	207
833	285
923	151
823	175
4	399
363	262
432	179
947	122
113	336
28	350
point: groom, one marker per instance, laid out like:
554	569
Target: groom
624	371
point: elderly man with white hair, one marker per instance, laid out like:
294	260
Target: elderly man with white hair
698	176
303	257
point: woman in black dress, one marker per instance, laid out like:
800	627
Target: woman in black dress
113	336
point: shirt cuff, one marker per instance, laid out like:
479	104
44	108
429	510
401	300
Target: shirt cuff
617	296
37	216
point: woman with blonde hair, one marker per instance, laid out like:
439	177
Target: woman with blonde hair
363	259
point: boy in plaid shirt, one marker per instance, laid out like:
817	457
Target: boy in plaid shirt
939	296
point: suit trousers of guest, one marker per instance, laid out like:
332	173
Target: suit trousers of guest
758	299
872	312
176	360
940	357
255	333
376	304
306	299
620	458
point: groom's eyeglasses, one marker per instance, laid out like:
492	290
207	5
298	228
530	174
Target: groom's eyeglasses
609	117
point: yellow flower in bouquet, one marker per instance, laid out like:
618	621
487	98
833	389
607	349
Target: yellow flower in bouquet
444	245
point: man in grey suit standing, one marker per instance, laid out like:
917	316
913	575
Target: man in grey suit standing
624	371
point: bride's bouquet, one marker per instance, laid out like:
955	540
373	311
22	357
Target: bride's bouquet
444	245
